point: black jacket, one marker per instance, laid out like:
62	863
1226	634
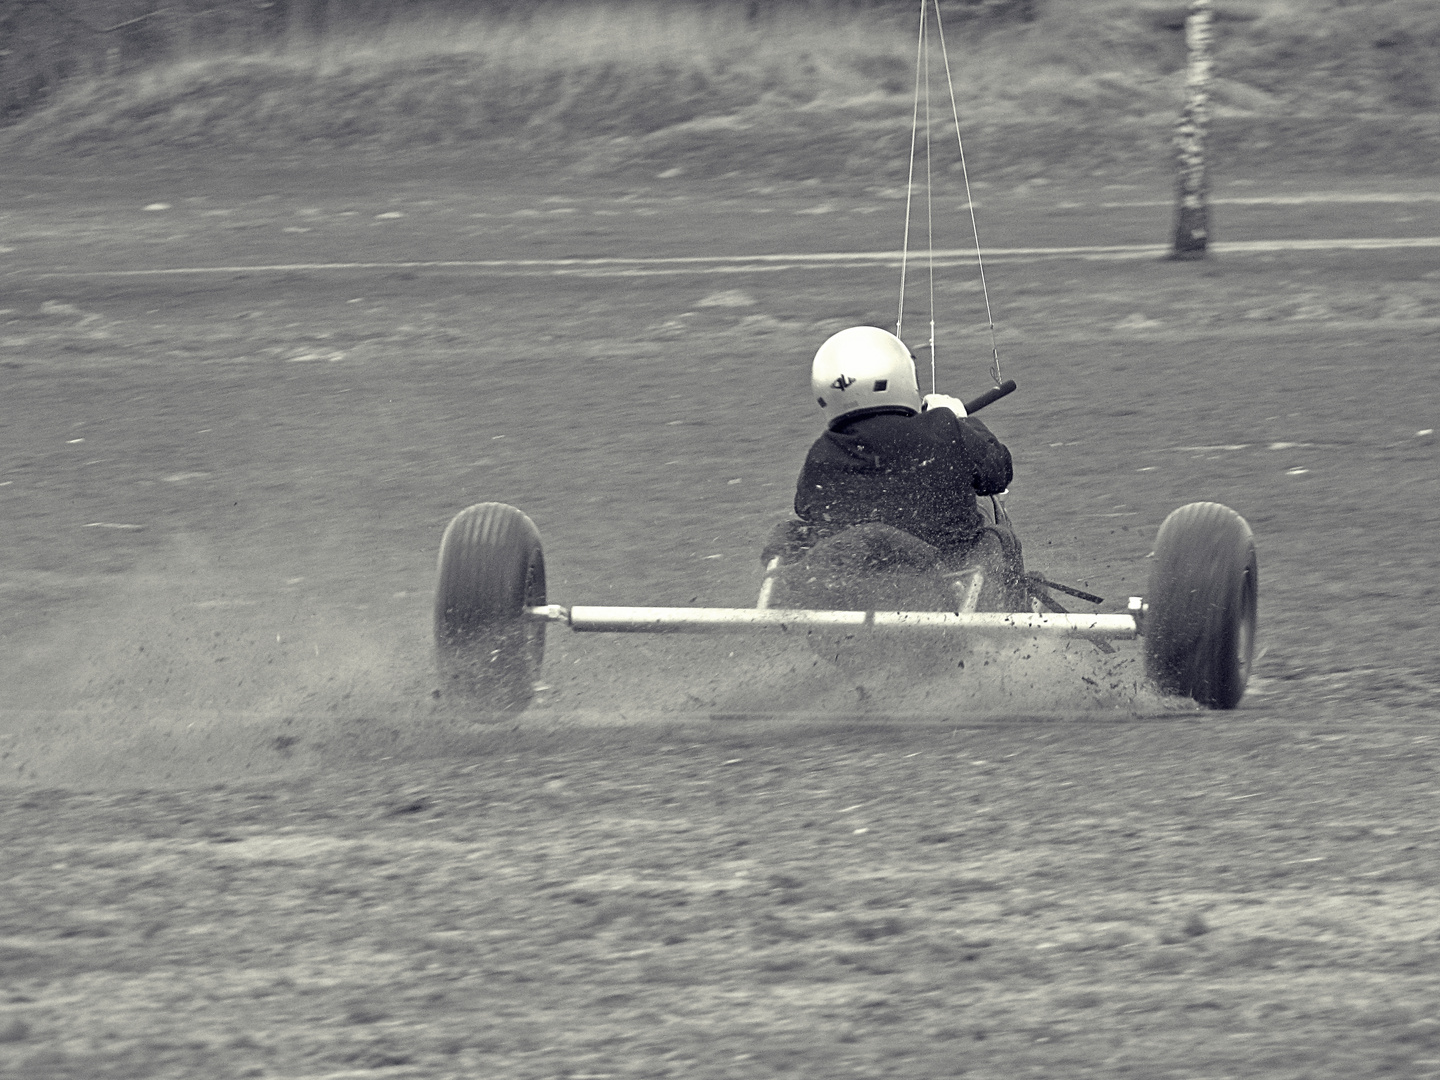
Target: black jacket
918	473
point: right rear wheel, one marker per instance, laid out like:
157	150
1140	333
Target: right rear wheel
1202	602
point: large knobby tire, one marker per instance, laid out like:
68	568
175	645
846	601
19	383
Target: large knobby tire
491	570
1201	606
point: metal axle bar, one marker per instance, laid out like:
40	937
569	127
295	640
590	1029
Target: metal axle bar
658	620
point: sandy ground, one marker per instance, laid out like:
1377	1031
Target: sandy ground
244	837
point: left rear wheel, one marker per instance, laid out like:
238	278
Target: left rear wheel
491	569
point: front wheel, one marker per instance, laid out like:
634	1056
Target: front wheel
1204	588
491	569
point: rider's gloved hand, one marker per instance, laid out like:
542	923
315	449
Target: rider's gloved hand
942	401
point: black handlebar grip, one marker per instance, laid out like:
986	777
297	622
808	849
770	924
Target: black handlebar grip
989	397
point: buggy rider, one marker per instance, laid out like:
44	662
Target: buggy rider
890	456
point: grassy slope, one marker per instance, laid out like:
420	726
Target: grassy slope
798	93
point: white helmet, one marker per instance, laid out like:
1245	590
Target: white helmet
862	371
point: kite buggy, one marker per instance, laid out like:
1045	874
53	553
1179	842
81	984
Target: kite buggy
840	584
900	531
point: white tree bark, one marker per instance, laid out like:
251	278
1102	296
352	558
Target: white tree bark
1192	212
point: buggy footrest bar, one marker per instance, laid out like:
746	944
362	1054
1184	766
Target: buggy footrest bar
658	620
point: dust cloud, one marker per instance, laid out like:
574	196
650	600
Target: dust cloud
184	673
945	679
183	668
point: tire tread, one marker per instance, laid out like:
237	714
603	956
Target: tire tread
1202	594
491	568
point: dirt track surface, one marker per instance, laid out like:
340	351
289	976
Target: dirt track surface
243	834
1198	896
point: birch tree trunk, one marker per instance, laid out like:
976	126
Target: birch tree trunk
1192	211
